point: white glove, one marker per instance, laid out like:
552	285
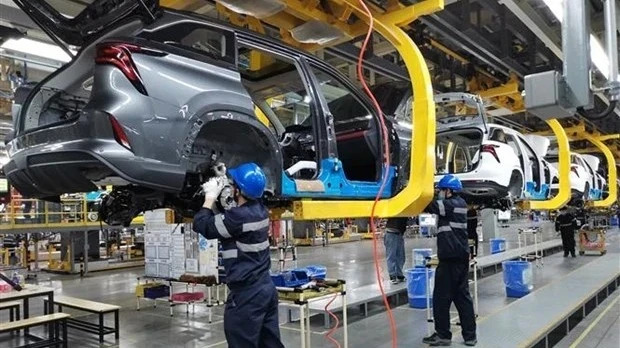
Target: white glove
213	187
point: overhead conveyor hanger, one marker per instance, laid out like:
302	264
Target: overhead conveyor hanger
564	189
419	190
578	132
612	175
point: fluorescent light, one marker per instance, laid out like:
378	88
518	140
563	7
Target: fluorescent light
597	52
37	48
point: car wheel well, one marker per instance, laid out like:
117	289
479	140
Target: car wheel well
234	141
515	186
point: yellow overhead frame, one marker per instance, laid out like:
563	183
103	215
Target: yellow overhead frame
419	190
564	190
612	175
578	132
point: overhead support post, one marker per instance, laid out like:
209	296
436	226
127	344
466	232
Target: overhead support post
564	190
576	48
611	42
419	190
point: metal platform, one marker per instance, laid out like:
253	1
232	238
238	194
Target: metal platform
542	320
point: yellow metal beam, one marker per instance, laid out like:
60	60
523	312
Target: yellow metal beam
419	190
564	192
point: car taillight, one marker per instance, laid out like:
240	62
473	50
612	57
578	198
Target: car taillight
574	170
119	55
490	149
119	133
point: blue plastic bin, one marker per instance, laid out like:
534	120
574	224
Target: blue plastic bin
424	231
613	221
157	292
419	257
314	271
517	278
290	279
498	245
416	286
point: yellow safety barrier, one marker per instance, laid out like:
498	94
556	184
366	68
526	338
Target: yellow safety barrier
419	190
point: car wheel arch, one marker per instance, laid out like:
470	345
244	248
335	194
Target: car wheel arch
236	131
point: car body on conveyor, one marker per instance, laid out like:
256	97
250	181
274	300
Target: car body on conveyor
582	176
154	98
493	161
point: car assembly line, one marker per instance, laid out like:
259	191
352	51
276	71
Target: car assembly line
266	162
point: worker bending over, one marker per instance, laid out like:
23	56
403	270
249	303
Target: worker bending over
251	312
566	224
452	274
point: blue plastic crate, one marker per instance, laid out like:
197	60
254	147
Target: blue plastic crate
290	279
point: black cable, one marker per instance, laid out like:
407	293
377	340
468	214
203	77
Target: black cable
593	117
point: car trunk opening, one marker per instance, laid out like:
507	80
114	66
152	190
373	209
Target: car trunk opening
458	151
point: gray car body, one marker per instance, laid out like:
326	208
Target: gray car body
195	110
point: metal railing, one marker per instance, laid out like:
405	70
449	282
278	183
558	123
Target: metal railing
31	214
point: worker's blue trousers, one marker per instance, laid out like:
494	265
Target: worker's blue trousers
251	316
395	253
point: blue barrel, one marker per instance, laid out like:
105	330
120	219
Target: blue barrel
517	278
419	257
613	220
498	245
416	286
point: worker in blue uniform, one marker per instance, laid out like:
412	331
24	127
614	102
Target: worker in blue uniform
251	312
452	274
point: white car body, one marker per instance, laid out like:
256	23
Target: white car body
504	172
488	166
581	175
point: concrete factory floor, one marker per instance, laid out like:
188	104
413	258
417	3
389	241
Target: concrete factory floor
154	327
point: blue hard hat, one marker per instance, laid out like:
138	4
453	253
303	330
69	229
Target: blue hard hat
250	179
450	182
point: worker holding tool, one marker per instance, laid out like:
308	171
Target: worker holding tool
451	276
394	240
566	224
251	312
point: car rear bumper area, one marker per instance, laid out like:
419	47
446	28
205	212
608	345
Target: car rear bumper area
51	174
81	165
482	189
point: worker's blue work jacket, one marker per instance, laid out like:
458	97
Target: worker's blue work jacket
452	244
244	234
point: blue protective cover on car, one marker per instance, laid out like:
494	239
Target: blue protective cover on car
337	185
595	194
532	194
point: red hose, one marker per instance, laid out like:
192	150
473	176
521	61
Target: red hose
333	329
385	173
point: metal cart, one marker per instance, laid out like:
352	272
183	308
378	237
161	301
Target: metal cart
592	239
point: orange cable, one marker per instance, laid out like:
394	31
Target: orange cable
384	176
333	329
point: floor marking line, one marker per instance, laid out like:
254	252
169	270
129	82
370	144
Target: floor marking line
591	326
